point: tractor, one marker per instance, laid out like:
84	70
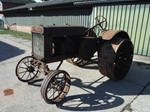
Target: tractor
77	45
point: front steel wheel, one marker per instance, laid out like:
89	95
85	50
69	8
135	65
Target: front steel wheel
115	58
25	69
55	86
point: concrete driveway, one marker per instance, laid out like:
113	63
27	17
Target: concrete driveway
90	91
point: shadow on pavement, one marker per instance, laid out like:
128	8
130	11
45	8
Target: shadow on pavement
101	94
8	51
36	82
96	98
107	94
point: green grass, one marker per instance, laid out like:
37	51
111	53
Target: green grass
17	34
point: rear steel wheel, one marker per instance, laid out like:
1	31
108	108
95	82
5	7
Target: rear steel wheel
25	70
115	58
55	86
77	61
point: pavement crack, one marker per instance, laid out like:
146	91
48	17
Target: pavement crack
144	88
133	82
128	106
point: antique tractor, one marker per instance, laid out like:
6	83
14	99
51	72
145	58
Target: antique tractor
77	44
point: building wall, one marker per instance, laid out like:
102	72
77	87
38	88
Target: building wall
26	29
77	16
133	18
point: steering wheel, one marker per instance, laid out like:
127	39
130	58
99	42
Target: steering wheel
101	22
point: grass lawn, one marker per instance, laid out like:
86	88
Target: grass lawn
17	34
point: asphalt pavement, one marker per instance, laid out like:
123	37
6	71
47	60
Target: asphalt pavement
90	91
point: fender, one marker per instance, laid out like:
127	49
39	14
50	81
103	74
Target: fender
109	34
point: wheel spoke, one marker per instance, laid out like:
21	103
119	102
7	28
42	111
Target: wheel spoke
25	71
28	62
28	76
56	76
48	90
54	91
73	59
63	78
23	75
79	61
35	74
22	72
53	85
22	67
25	64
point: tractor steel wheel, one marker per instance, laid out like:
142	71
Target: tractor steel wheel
55	86
77	61
25	70
115	58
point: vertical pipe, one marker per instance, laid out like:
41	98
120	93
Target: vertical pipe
113	16
109	18
137	25
141	30
117	17
125	17
146	30
133	20
129	18
121	17
148	47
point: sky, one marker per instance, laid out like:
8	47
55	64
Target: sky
38	0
